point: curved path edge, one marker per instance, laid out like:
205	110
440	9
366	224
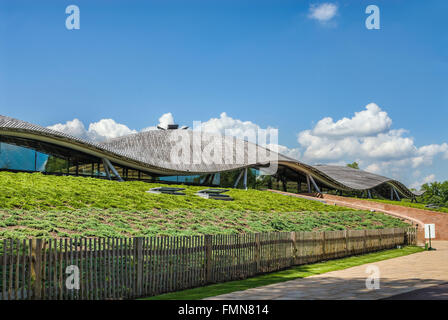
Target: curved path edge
414	216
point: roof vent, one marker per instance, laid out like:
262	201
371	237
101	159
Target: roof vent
167	126
170	127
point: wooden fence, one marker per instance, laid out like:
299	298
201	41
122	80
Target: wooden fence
126	268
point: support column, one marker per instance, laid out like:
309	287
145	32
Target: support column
314	184
308	183
106	169
107	164
238	179
369	194
245	179
396	194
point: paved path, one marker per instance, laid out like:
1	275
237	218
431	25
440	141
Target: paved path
397	276
439	292
416	216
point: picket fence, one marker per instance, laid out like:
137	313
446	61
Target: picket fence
126	268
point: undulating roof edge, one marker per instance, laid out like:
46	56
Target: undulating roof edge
149	151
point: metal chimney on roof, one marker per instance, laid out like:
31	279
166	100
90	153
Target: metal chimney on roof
170	127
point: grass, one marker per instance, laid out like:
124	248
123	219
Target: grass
119	223
37	205
285	275
43	192
409	204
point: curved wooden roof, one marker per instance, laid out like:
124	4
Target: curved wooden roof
151	151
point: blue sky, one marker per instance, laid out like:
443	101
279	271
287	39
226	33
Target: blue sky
267	62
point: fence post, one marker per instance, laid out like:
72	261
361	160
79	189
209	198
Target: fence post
323	245
208	258
380	236
36	268
138	245
346	242
257	252
294	248
364	249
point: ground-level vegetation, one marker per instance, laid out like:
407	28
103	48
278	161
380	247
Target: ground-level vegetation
119	223
285	275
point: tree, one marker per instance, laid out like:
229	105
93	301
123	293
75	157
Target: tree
353	165
436	192
55	164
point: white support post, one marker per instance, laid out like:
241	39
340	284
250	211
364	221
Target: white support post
308	183
397	195
106	168
107	163
314	184
238	179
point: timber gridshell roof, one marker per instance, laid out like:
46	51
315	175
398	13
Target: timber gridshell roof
150	152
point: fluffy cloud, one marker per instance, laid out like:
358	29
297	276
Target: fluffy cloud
74	127
229	126
98	131
164	120
323	12
107	129
368	122
367	138
428	179
226	125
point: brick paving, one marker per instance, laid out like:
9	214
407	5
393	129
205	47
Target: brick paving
397	276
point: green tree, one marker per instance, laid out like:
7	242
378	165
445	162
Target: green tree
353	165
436	192
55	164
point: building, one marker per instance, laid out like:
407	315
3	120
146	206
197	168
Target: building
149	156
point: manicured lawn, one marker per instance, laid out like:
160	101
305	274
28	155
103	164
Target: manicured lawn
285	275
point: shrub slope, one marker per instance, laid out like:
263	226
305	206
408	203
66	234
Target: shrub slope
51	206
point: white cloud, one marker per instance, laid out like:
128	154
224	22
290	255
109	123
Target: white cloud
367	138
164	120
229	126
226	125
289	152
323	12
368	122
98	131
428	179
107	129
74	127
